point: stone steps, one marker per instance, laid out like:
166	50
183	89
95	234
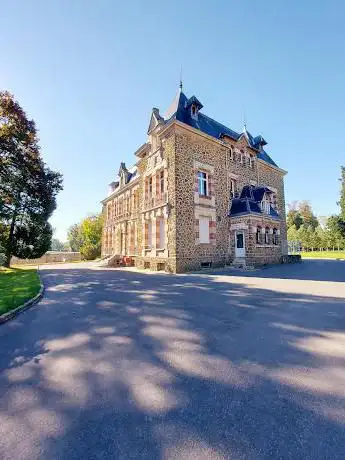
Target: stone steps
240	263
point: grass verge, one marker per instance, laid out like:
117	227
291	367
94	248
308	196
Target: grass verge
17	285
324	254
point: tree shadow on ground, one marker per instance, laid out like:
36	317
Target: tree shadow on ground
309	270
118	364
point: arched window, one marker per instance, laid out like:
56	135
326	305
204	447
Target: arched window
258	235
275	236
267	238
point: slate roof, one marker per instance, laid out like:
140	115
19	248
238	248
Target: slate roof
178	111
249	203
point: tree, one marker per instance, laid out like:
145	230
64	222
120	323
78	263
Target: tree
341	202
57	245
75	238
2	256
306	212
305	236
28	188
318	238
335	231
292	234
294	218
91	233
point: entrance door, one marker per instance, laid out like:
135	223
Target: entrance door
240	250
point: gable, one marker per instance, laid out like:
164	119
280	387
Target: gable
155	120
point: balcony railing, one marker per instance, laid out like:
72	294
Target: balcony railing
156	200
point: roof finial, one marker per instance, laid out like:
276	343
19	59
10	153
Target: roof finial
244	122
181	85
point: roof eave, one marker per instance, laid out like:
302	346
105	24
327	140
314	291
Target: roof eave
283	171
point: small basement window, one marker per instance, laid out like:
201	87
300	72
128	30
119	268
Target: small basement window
206	264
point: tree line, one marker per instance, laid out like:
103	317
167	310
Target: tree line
84	237
312	233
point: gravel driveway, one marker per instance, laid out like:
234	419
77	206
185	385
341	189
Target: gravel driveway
116	364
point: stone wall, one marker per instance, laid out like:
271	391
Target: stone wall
215	156
49	257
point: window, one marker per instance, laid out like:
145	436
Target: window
267	238
231	153
258	235
149	234
202	183
150	186
275	236
251	161
242	157
233	187
160	233
204	230
161	182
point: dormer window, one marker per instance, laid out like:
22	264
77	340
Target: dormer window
194	106
194	112
265	205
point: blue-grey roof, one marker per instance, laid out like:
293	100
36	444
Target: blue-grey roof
178	110
249	202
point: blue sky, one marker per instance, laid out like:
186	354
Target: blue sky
89	73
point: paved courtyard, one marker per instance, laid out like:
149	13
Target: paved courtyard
124	365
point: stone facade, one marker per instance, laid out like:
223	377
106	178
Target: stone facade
157	214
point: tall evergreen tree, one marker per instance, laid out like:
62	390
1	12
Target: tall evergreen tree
341	202
28	188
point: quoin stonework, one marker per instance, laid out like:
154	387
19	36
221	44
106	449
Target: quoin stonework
199	195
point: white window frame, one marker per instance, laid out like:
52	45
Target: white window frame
204	181
204	230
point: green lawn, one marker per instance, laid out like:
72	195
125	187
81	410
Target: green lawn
324	254
17	285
